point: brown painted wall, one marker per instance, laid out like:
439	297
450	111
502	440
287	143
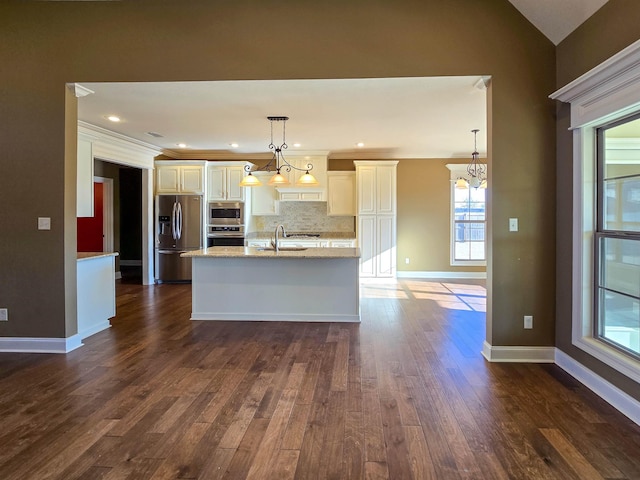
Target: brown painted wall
45	44
612	28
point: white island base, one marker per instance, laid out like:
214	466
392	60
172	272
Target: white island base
269	286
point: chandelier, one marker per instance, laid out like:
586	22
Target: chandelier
278	163
476	171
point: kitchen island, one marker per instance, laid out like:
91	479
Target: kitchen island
247	283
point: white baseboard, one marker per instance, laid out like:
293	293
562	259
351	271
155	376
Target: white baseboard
622	402
522	354
118	275
40	345
428	274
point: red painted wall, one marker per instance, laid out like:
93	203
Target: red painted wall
90	235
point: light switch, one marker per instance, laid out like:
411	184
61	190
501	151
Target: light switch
44	223
513	224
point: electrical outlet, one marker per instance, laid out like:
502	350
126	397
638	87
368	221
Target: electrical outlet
528	321
513	224
4	314
406	260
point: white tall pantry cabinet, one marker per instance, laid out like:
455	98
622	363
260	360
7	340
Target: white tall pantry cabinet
376	186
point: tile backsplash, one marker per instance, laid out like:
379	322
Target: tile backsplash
305	217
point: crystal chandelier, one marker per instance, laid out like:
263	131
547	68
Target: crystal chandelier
277	163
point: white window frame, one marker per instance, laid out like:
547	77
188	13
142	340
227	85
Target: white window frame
458	171
609	91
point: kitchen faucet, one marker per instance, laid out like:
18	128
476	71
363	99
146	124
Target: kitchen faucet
275	236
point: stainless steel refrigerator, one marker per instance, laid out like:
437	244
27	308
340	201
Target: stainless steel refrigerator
178	230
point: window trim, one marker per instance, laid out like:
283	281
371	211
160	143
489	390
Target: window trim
459	170
609	91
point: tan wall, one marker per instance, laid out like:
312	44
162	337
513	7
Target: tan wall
46	44
424	216
612	28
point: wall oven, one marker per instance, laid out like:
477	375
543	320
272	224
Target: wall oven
224	236
225	224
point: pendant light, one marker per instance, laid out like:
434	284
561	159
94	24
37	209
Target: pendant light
476	171
277	163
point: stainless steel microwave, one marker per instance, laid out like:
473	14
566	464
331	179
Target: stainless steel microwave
225	213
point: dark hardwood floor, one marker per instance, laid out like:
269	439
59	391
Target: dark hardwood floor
403	395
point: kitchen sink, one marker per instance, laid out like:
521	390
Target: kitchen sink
302	235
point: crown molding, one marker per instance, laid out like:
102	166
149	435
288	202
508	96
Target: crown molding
234	156
78	90
607	89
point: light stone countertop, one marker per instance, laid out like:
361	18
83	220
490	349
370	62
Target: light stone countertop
254	252
91	255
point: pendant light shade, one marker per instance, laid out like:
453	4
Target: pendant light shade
462	183
278	179
250	180
307	180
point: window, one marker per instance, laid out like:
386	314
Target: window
617	236
603	239
468	221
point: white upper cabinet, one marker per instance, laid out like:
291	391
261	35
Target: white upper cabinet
301	194
172	177
223	181
376	188
319	170
341	193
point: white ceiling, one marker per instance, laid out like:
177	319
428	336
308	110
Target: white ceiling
557	18
393	117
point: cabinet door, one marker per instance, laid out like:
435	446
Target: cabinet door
84	179
366	179
191	179
264	198
216	181
258	243
342	243
299	243
311	196
234	191
386	190
386	246
168	179
341	193
367	242
289	195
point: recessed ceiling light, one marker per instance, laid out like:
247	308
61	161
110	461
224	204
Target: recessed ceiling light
113	118
182	145
359	144
297	145
234	145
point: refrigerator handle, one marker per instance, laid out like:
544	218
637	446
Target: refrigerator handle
179	220
173	221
